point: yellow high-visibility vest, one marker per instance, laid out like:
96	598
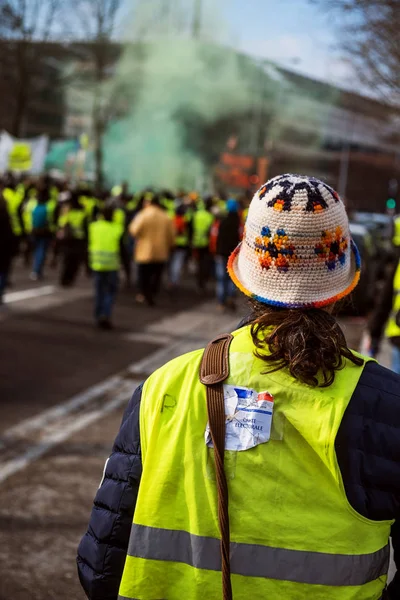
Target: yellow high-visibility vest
202	221
27	214
182	237
132	204
51	211
169	206
14	200
396	235
392	329
104	245
294	535
119	217
89	204
75	219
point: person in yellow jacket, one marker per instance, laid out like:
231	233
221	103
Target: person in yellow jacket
105	245
14	197
154	234
297	473
72	237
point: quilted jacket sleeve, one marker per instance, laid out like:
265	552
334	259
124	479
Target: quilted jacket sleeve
102	550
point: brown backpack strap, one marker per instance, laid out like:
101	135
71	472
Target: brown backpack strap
214	370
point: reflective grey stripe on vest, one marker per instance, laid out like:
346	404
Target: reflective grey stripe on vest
126	598
253	560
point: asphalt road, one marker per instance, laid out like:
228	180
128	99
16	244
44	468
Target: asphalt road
50	349
63	389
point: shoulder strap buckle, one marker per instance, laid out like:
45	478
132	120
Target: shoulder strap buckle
214	366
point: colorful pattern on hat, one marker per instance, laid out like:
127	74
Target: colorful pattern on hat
296	250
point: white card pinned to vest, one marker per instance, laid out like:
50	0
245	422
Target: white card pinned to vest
248	418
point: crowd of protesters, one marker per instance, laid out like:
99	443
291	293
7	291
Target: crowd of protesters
161	236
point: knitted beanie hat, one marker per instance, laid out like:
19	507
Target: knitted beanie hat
296	250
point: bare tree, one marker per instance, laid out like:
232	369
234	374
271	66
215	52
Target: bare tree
25	26
371	39
96	23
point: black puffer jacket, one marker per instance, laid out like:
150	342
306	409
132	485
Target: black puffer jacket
368	452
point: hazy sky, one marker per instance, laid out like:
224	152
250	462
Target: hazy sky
294	33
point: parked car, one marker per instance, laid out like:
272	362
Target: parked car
362	299
380	227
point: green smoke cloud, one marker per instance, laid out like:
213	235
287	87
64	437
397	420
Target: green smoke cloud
176	86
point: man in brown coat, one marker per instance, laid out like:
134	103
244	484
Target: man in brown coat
154	235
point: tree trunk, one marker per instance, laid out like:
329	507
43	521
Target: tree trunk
19	113
21	99
98	119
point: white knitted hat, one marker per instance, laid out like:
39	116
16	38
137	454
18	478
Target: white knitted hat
296	250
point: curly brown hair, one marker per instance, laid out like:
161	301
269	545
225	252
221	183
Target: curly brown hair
308	342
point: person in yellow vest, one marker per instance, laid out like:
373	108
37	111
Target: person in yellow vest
27	217
183	235
396	233
72	236
89	204
304	447
14	197
105	245
28	207
119	216
384	320
202	222
6	246
168	202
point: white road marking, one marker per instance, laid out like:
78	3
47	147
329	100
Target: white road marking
53	438
183	321
28	294
188	330
60	411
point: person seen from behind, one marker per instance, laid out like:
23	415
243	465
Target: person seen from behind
153	232
13	195
228	237
7	246
129	204
384	320
105	251
72	236
303	431
202	222
183	235
41	233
